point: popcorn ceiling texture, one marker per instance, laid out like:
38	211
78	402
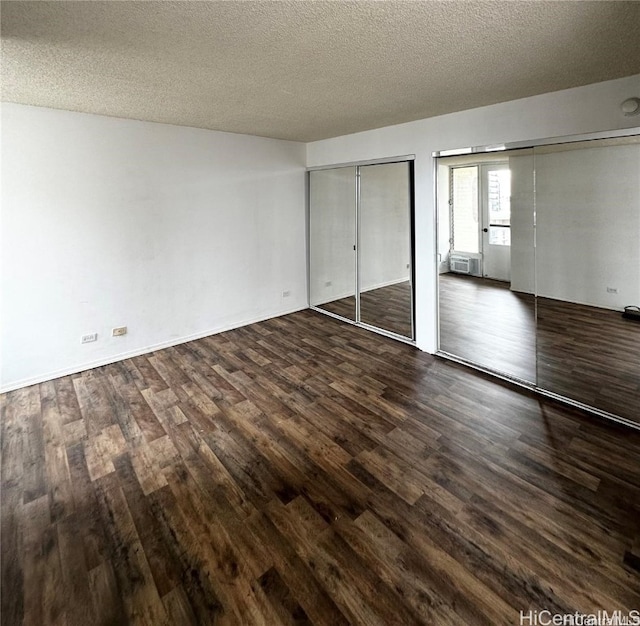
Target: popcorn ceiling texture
305	70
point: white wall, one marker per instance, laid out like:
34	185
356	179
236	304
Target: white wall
444	218
573	111
588	224
522	222
179	232
174	232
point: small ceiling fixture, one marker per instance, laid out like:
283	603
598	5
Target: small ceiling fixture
631	106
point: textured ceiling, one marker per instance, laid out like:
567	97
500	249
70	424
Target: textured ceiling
307	70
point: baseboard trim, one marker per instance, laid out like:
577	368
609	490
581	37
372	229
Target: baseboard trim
27	382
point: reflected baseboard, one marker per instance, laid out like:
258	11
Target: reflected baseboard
529	386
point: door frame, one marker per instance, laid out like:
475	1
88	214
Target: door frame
485	221
482	204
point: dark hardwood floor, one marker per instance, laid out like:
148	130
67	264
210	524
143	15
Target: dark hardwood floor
483	321
387	307
306	471
345	307
586	353
591	355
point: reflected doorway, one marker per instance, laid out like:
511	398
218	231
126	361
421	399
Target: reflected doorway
496	221
480	243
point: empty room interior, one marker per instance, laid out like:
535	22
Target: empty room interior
320	312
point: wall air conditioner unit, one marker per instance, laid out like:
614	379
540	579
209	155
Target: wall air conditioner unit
464	264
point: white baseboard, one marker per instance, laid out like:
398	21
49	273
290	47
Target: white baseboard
26	382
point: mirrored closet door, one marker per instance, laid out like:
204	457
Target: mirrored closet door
332	241
539	258
361	245
587	198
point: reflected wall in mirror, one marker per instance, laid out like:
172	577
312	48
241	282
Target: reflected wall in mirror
332	240
486	260
361	244
588	269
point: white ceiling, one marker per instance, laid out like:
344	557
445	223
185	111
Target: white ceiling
307	70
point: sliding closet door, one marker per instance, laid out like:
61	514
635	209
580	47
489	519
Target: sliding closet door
384	250
564	323
588	271
332	241
360	245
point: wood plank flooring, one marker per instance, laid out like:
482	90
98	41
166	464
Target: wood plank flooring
483	321
305	471
591	355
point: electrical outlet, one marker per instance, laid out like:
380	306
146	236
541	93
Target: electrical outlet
286	294
119	331
612	290
89	338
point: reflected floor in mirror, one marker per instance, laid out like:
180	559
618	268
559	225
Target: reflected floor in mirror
591	355
387	307
585	353
483	321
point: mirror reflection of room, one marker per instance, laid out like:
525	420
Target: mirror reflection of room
539	255
486	287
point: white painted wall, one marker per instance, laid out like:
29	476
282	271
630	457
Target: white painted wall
522	221
573	111
588	224
174	232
